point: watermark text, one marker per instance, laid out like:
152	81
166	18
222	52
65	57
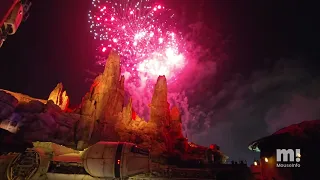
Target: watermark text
288	157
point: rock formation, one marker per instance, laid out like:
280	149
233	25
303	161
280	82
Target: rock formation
59	97
101	106
23	98
160	113
36	121
102	116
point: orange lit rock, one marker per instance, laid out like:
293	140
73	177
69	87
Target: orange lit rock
40	122
22	98
175	124
175	114
160	113
134	115
59	97
101	116
106	95
127	113
161	132
104	102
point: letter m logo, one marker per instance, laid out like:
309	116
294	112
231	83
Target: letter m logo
285	155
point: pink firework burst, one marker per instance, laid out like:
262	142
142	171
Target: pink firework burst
143	32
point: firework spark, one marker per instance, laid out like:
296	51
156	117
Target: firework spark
143	32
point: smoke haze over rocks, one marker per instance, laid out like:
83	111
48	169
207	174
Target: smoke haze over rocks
246	109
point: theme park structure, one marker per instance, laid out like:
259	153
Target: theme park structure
102	138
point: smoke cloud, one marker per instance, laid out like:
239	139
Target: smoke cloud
246	109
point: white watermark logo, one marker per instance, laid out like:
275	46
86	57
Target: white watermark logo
288	157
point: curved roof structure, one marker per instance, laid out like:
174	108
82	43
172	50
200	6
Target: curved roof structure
303	130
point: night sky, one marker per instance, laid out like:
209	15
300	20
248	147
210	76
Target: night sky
269	80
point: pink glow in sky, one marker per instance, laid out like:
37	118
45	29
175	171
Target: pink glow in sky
143	32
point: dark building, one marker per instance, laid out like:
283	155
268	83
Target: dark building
291	153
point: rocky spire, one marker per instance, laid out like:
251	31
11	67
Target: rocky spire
107	91
105	100
160	113
59	97
127	113
175	123
111	73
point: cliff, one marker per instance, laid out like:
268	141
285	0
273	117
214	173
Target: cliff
102	116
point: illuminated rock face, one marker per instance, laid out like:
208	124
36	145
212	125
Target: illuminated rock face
37	121
102	105
160	113
101	116
21	98
59	97
162	133
106	95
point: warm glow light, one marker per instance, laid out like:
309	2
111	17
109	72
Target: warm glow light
255	163
298	155
266	160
